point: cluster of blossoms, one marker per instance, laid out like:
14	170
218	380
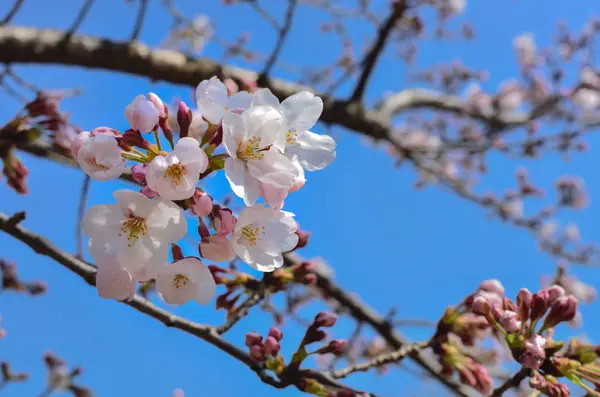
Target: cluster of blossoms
267	145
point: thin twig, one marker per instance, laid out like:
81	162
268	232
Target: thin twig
383	359
242	311
85	189
263	13
83	11
283	33
12	12
512	382
139	20
373	54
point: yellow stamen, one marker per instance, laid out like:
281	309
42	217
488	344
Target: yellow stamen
250	150
176	172
291	137
134	228
93	163
180	280
251	234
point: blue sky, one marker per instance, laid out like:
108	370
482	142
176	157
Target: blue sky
418	251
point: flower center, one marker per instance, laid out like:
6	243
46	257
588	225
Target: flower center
252	234
134	228
176	172
250	150
291	137
180	280
92	161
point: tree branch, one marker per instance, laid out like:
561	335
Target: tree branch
282	35
387	358
139	20
368	63
512	382
12	12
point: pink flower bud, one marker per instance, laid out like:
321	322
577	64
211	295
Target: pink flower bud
78	142
134	138
184	119
310	279
539	304
271	346
492	285
563	309
534	354
146	191
337	346
202	203
510	321
253	338
138	172
224	221
325	319
158	104
303	238
177	252
256	353
313	336
524	299
480	306
216	248
141	114
555	292
276	333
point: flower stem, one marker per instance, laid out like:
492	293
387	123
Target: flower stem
157	137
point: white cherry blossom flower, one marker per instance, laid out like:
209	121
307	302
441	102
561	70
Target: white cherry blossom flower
525	48
99	156
214	101
136	230
184	280
254	141
175	175
301	111
262	234
141	114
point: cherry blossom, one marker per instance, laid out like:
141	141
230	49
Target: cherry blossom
254	141
525	48
141	114
262	234
186	279
99	156
174	176
216	248
214	101
136	230
301	111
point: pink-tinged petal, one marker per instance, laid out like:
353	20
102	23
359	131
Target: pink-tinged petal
113	281
78	142
235	171
274	169
132	203
212	99
203	204
274	196
216	248
174	285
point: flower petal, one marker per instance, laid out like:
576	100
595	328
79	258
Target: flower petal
166	221
302	110
314	151
264	97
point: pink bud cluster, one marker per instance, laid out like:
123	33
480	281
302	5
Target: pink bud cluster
260	350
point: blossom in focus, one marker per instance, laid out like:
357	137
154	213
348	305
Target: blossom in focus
175	175
113	280
141	114
214	101
99	156
216	248
301	112
254	141
184	280
136	231
262	234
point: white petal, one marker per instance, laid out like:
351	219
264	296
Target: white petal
288	243
212	98
234	171
274	169
216	248
102	221
274	196
188	151
302	110
166	221
267	124
234	131
132	203
264	97
314	151
252	214
251	189
169	292
240	100
147	270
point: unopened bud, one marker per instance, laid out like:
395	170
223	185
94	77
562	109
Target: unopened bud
337	347
184	119
303	238
202	203
158	104
276	333
539	304
271	346
134	138
177	252
325	319
555	292
481	306
256	353
564	309
492	285
138	172
524	299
